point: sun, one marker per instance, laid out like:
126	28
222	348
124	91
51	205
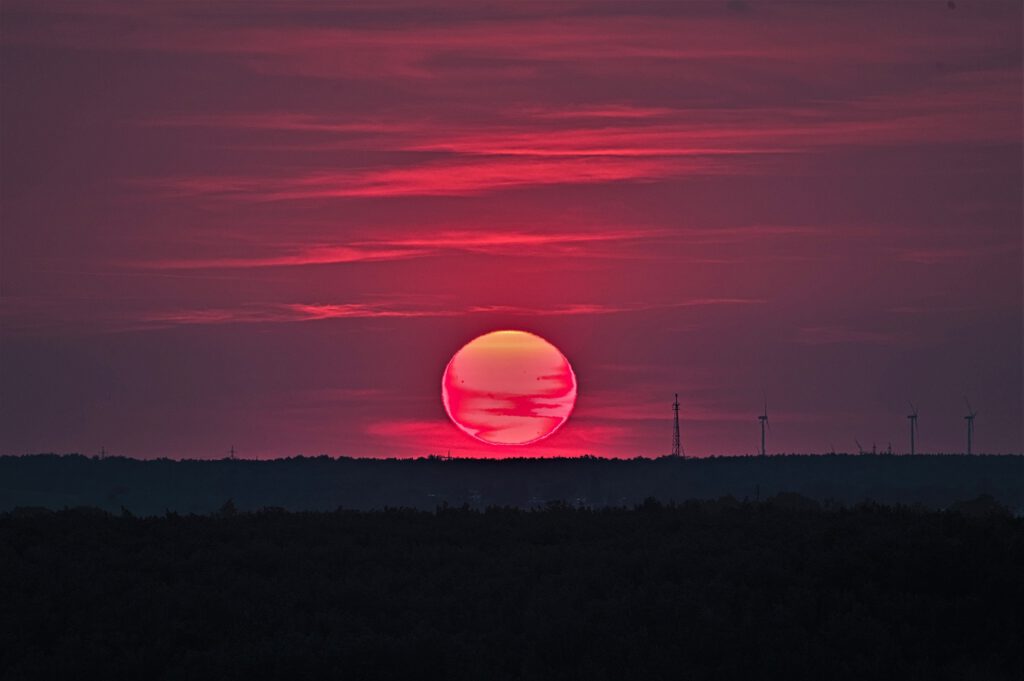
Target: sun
509	388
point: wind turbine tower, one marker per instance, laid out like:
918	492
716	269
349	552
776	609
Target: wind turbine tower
913	427
677	446
763	418
970	425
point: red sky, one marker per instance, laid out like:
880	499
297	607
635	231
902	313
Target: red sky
271	225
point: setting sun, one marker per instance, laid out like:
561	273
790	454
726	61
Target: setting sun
509	388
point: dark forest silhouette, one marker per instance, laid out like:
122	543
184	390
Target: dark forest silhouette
325	484
778	589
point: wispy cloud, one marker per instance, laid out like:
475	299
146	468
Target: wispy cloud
454	177
701	245
312	255
728	122
606	111
302	312
439	157
399	43
284	312
287	121
413	245
582	309
511	241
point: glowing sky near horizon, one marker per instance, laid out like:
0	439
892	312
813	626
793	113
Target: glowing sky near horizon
270	225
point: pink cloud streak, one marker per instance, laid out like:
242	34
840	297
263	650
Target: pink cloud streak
300	312
547	34
492	156
406	246
447	178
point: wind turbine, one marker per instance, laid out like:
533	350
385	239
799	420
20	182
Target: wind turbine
970	425
913	427
763	418
860	450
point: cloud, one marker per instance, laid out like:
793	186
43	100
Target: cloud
311	255
33	314
287	312
288	121
609	242
454	177
351	40
447	156
606	111
514	241
407	245
306	312
588	309
302	312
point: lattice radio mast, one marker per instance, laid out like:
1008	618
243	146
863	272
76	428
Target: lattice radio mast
677	446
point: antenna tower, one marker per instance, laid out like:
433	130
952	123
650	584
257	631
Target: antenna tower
677	446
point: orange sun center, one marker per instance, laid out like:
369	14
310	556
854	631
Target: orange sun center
509	388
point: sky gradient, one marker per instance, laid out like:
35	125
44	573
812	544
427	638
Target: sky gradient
271	225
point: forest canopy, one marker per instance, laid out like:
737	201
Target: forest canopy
703	590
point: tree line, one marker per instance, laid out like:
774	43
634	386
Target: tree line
776	589
321	483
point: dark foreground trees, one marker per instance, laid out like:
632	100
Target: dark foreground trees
703	590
